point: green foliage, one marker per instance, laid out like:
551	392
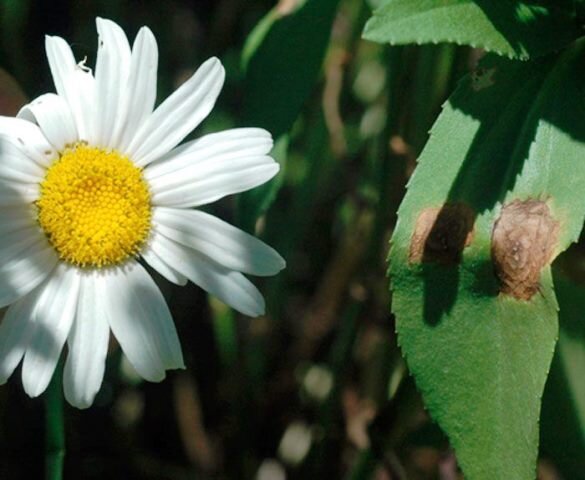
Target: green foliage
513	28
479	351
282	60
563	404
492	202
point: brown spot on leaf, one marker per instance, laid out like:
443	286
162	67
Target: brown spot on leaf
523	242
441	234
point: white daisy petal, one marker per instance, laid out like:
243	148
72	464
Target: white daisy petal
81	100
61	62
52	317
203	184
218	240
211	167
230	287
111	77
141	322
74	84
221	147
51	112
178	115
141	90
87	342
17	218
21	274
19	243
16	165
29	138
17	194
15	332
163	267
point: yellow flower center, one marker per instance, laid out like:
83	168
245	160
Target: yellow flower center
94	207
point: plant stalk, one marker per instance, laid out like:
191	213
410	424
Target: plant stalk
54	428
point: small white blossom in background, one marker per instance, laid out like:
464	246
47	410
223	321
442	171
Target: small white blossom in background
318	382
271	469
91	180
295	443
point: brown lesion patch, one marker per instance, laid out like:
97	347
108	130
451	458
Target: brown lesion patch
523	242
441	233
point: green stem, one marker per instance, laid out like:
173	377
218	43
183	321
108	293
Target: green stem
54	428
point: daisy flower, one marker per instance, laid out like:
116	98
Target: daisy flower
92	181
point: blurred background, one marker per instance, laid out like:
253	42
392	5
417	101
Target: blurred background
317	387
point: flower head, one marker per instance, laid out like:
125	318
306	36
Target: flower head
92	181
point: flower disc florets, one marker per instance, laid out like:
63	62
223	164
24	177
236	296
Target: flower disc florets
94	207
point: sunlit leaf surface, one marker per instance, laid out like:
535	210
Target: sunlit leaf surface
493	200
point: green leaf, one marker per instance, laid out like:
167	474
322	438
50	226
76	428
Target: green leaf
496	196
512	28
563	407
282	59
